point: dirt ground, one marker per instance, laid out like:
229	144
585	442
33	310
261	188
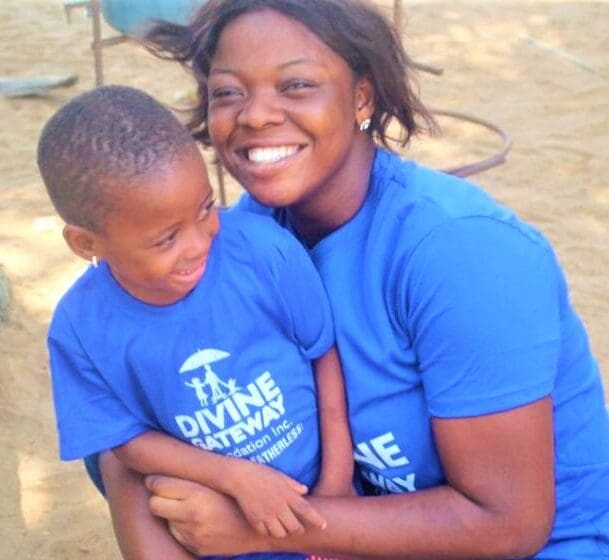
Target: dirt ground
540	69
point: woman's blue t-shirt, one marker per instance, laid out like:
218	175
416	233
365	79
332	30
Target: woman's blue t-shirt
447	305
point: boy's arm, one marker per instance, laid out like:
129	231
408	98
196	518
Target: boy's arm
271	501
156	452
140	535
336	478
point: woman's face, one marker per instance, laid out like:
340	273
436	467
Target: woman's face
283	110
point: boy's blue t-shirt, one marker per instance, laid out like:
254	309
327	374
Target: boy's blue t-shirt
227	369
447	305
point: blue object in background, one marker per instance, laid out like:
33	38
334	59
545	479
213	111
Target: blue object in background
131	17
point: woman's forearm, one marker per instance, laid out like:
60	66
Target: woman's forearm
436	523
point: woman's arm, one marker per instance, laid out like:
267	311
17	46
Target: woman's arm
498	501
336	478
140	535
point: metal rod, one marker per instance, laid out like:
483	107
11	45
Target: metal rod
485	163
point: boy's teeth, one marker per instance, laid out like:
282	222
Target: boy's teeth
270	155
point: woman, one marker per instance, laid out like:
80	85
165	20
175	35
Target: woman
475	405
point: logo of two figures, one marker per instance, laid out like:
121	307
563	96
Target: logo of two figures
218	389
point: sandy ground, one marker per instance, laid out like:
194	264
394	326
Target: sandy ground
540	69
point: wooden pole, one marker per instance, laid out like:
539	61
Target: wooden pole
398	15
97	42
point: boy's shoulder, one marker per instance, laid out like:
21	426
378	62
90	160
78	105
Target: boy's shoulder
255	234
80	297
240	217
83	287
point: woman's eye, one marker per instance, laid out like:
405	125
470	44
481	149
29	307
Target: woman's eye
296	85
223	93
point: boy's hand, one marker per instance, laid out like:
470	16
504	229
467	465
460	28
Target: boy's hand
272	502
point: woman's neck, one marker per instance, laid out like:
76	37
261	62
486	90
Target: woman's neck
336	201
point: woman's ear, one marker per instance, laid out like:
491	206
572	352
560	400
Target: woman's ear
364	99
82	242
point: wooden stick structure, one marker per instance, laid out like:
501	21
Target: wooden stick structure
565	55
398	15
97	42
477	166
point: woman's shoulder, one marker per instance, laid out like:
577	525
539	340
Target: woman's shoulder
424	199
433	189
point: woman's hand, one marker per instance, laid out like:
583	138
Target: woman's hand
202	520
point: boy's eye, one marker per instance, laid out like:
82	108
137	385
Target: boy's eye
167	240
206	209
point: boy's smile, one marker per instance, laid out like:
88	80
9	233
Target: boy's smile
158	239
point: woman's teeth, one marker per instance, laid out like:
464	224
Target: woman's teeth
270	155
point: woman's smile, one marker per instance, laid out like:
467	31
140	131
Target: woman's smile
272	154
267	162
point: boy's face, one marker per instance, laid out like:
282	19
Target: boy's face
158	239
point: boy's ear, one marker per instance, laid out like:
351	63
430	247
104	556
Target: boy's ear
364	99
81	241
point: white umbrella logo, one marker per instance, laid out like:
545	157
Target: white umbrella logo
204	359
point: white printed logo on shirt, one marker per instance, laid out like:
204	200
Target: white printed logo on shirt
218	389
240	421
383	453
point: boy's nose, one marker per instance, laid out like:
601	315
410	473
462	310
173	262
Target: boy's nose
197	244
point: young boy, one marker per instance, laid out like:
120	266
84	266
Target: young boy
186	347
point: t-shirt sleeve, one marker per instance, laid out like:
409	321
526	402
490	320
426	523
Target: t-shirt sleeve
90	418
305	300
246	203
482	306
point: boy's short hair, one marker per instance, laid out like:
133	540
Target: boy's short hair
100	142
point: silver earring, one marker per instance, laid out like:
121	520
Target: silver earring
364	125
94	261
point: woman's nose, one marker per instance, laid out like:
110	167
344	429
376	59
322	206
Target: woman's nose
261	109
